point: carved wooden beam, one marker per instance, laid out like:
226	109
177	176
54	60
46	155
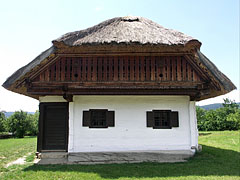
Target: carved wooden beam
67	85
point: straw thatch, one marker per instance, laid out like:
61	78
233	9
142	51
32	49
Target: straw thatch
125	30
224	81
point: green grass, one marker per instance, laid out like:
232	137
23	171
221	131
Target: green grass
218	160
14	148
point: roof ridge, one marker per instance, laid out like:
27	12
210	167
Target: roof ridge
126	30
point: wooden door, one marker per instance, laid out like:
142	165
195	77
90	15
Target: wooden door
53	129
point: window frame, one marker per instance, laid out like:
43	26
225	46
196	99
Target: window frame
168	119
87	120
172	118
91	120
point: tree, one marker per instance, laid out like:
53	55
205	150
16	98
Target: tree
229	114
18	124
2	122
233	120
200	117
228	103
225	118
33	123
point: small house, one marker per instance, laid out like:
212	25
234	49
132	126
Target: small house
121	91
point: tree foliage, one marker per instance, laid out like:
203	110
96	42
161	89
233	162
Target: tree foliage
225	118
33	123
20	124
17	123
2	122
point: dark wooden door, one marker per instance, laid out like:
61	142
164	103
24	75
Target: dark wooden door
54	126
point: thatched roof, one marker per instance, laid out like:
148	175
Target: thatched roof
225	82
127	32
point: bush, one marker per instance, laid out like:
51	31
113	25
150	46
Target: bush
225	118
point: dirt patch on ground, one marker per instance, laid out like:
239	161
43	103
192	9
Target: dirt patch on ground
19	161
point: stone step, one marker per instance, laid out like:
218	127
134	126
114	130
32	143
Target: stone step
53	155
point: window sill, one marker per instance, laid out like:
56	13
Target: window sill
98	127
162	127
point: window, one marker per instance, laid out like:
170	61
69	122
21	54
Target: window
162	119
98	118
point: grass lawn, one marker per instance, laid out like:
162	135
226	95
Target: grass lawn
218	160
14	148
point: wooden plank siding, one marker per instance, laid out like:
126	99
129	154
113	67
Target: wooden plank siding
89	68
137	68
120	69
142	69
79	69
116	67
99	69
84	69
53	126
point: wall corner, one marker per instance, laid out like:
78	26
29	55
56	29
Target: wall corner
193	125
70	126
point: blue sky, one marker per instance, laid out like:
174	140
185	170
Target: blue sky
28	27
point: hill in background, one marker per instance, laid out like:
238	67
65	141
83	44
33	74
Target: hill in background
7	114
213	106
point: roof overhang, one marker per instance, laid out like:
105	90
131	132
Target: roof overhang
18	81
124	36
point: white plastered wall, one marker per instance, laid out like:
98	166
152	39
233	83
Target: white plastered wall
130	132
51	99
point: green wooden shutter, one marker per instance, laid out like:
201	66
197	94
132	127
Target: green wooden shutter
150	120
110	119
86	118
174	119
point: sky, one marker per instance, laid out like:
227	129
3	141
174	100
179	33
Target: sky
27	28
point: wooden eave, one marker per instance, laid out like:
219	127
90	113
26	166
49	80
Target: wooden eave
121	88
25	84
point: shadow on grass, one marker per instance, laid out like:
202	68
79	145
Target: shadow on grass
211	161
